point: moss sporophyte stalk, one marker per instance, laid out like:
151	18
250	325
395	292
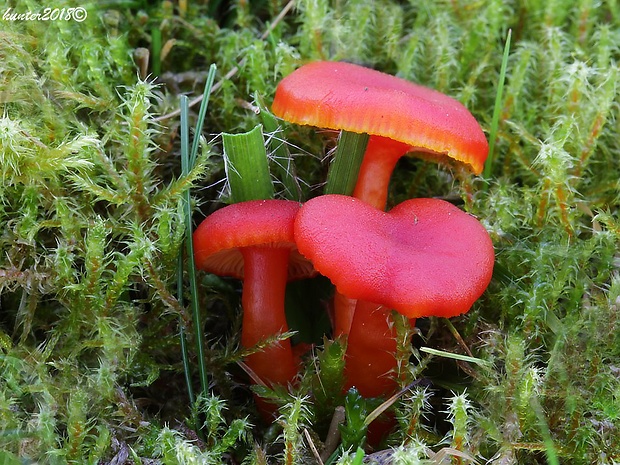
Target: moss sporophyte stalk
115	348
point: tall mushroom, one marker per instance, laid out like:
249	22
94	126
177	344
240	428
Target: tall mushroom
424	257
253	241
400	116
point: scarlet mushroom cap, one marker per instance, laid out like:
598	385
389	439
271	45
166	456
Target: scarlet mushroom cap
221	237
424	257
345	96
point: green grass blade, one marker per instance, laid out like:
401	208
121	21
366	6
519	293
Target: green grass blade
463	358
283	160
550	449
202	114
345	167
191	268
180	267
187	369
497	108
247	169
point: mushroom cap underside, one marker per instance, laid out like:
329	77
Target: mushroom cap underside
218	240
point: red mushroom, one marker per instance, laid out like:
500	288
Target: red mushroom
425	257
399	115
254	241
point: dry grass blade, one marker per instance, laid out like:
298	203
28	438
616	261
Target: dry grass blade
313	448
445	455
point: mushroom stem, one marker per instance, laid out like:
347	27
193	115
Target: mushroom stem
263	313
380	158
344	309
379	161
371	349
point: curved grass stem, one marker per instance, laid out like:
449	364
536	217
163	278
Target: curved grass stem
188	160
497	108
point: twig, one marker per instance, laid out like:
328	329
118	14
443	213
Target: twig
333	435
457	336
372	416
310	442
257	380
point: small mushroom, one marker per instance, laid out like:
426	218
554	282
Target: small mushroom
399	115
253	241
425	257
